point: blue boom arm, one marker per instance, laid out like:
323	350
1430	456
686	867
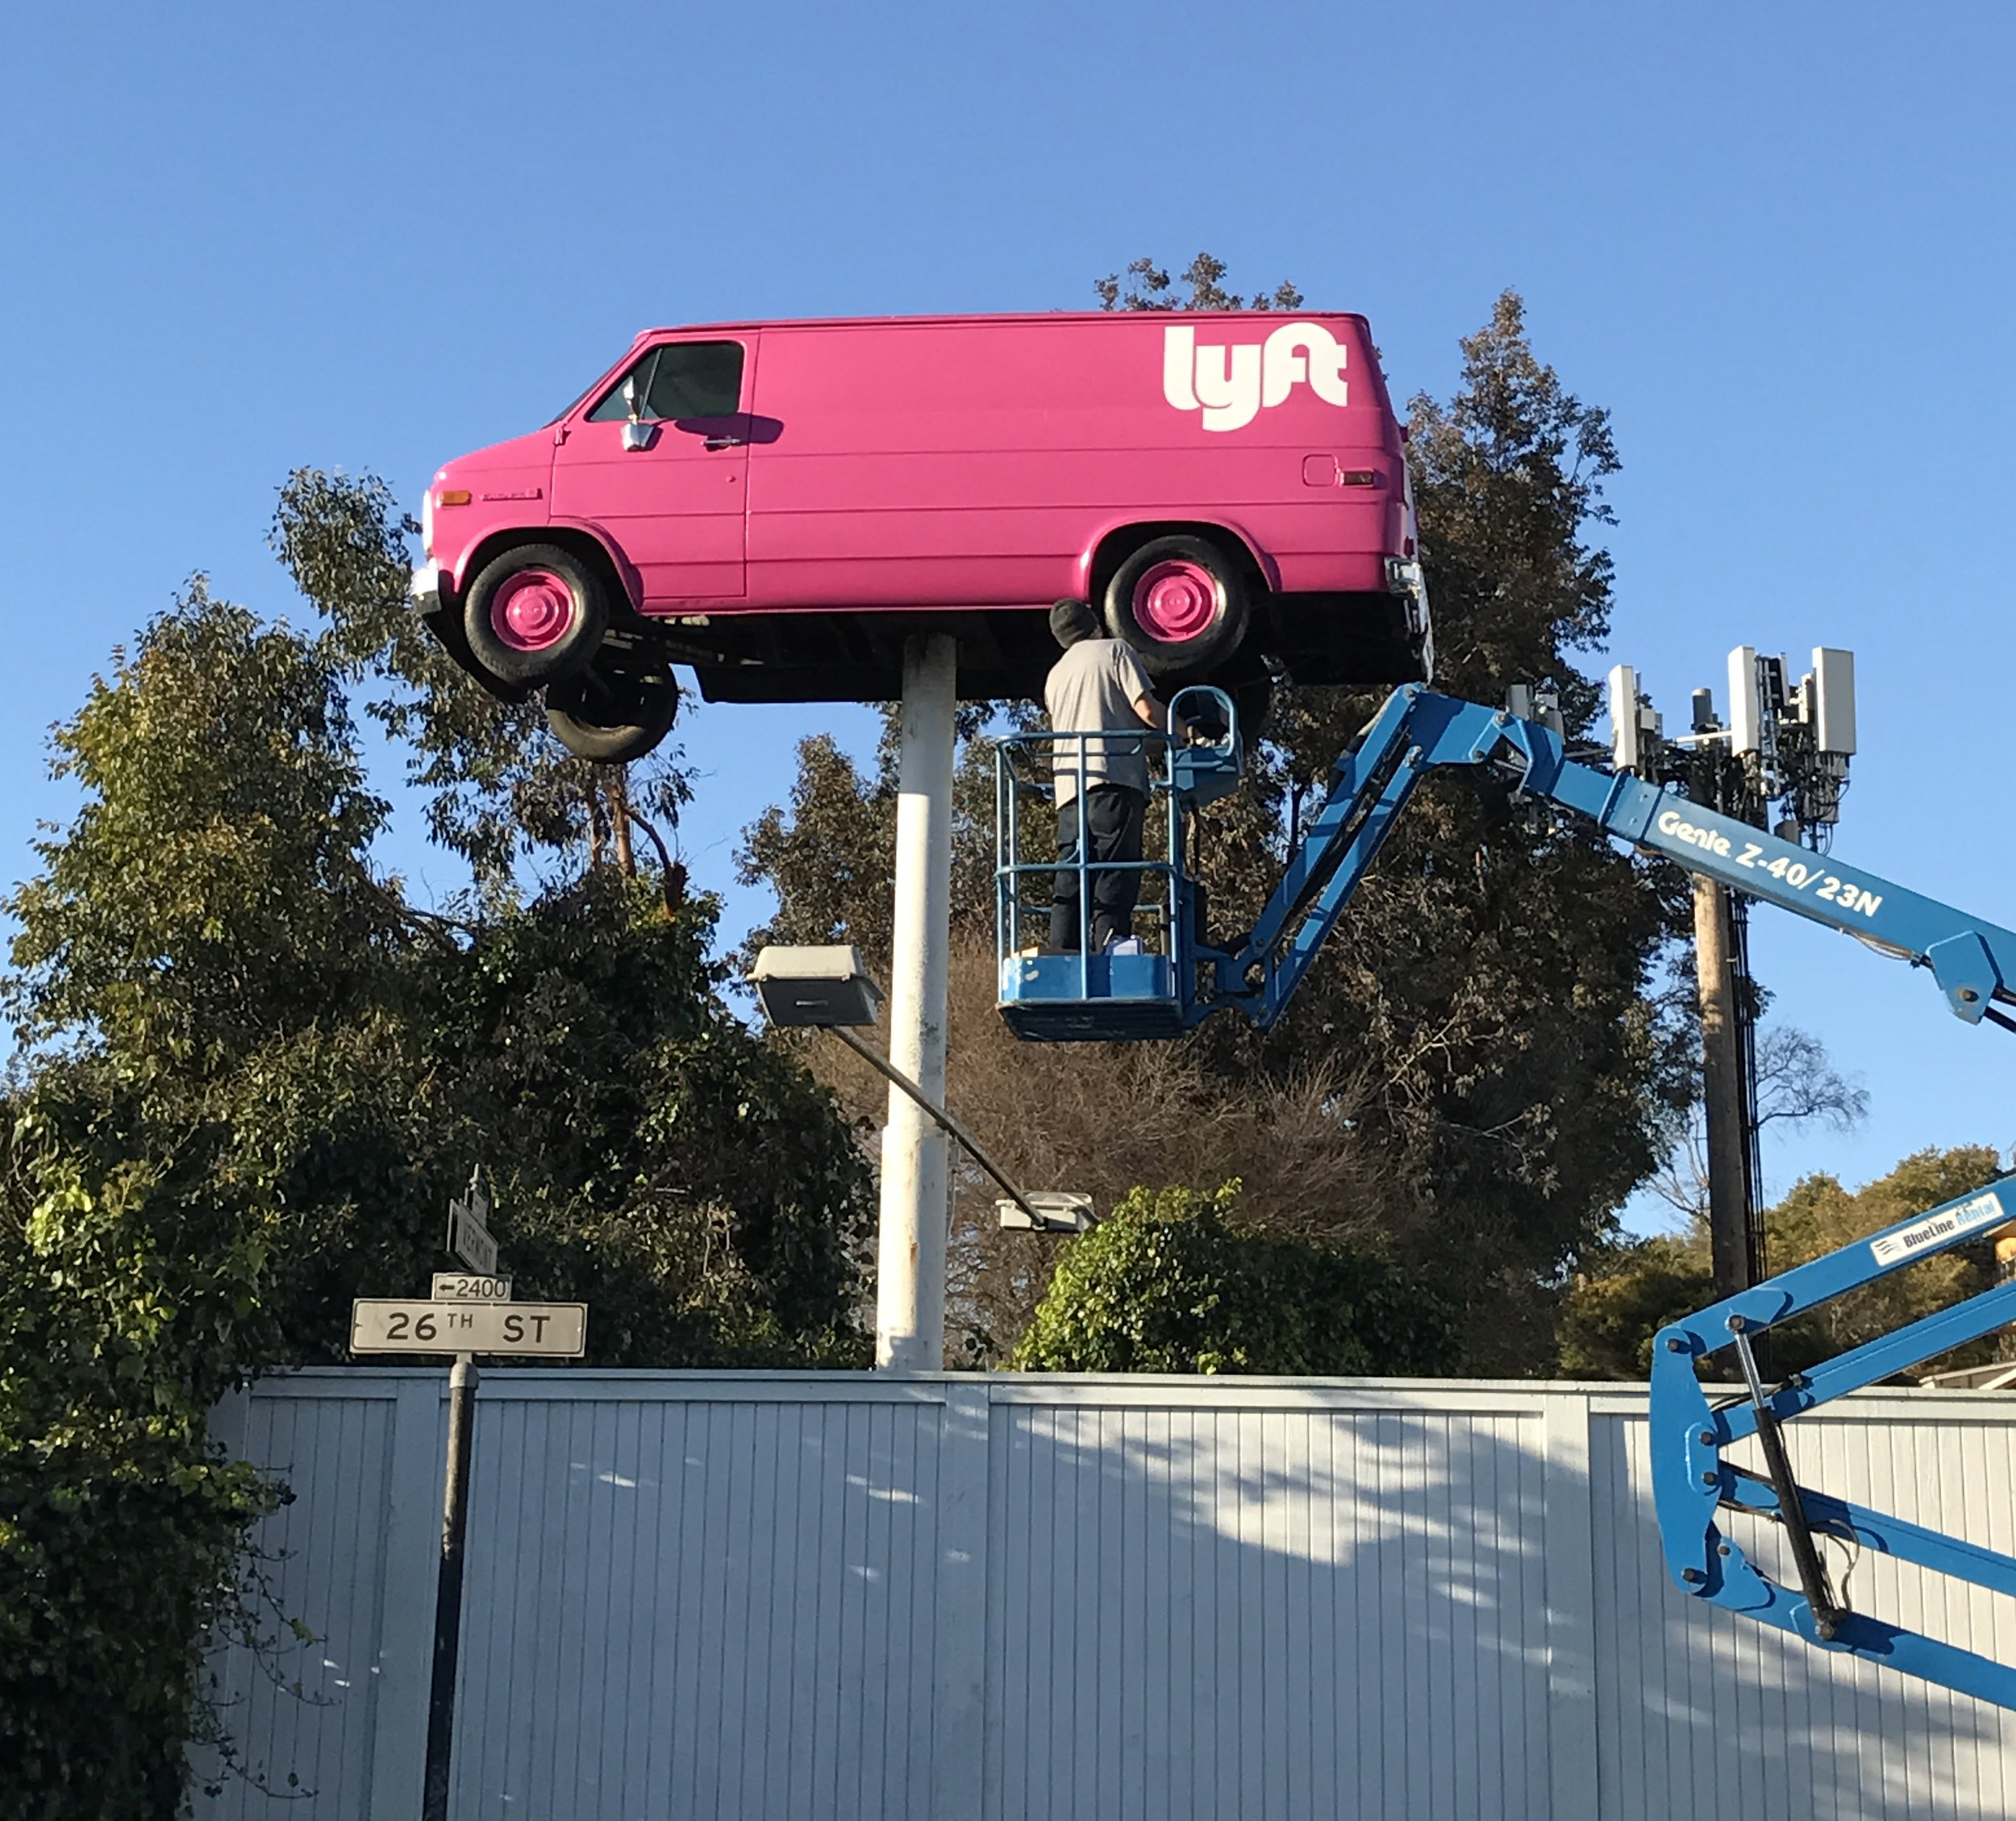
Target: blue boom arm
1693	1482
1417	732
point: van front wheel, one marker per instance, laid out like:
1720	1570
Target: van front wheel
534	615
1181	604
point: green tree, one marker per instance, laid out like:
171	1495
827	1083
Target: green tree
1626	1292
1499	972
1821	1216
1501	1060
210	894
498	788
1170	1282
209	952
1148	286
215	885
122	1299
253	1075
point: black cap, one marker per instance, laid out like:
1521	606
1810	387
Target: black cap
1070	621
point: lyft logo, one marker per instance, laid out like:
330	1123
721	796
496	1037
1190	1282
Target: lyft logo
1230	384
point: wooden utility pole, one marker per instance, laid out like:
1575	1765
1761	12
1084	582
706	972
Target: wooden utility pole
1722	1090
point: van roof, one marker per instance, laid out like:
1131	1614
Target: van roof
998	316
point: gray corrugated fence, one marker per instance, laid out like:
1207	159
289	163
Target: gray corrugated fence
789	1598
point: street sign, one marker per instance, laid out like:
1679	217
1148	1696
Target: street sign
468	1239
468	1286
551	1330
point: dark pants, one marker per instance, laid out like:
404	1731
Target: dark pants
1112	818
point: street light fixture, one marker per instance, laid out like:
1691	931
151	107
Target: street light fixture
822	988
825	988
1057	1211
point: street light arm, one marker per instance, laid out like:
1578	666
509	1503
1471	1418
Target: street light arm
939	1117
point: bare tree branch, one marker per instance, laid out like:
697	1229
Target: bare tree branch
1798	1086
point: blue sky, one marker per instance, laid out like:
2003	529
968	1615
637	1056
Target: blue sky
1776	242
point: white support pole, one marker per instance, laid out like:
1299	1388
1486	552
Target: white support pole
909	1301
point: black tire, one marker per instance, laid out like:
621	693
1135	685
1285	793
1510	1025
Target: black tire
613	716
559	636
1210	584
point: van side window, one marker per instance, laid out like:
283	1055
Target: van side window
682	379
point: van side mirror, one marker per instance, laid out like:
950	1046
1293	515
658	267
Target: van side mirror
637	434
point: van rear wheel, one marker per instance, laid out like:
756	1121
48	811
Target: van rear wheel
1182	602
612	716
534	615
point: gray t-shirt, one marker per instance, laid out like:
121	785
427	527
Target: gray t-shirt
1095	684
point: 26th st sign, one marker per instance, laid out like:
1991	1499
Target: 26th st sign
470	1312
551	1330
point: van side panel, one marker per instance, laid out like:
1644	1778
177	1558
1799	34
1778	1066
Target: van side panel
975	464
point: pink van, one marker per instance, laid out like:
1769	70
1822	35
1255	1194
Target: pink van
779	505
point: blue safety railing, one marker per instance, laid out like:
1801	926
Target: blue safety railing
1088	992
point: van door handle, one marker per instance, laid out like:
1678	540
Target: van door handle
726	442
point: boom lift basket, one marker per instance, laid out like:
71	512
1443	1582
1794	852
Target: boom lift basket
1132	990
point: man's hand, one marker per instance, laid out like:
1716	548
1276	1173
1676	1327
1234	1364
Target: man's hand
1208	723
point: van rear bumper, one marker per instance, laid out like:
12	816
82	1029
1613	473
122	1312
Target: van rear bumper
1405	580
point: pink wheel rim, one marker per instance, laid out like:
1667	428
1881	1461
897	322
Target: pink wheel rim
532	611
1175	600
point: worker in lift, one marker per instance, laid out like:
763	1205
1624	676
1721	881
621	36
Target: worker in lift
1098	685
